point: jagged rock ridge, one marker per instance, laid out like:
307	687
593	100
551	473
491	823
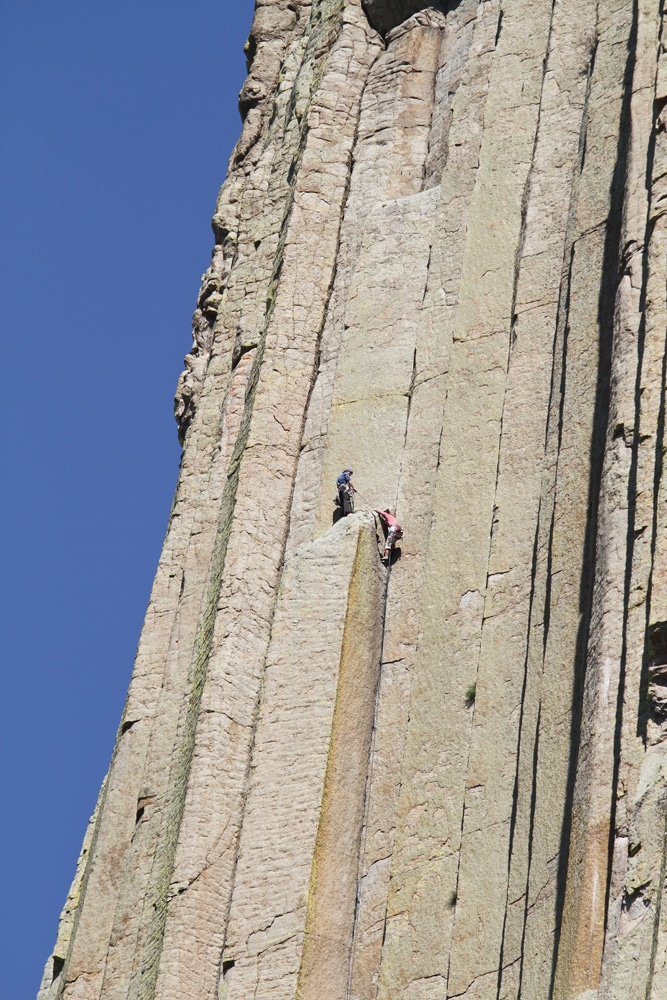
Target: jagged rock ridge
440	258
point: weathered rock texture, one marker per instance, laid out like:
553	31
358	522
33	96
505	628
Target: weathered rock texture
441	258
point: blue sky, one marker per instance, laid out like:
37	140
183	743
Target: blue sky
116	123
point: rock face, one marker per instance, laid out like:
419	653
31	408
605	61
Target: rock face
440	258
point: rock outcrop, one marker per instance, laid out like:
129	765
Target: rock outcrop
440	258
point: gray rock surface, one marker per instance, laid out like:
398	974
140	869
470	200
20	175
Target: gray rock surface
441	259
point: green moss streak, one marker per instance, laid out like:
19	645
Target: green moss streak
326	21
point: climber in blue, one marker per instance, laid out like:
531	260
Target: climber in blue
345	492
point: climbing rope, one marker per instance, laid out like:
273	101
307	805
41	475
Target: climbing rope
367	502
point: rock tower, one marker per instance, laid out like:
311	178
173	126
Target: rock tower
441	258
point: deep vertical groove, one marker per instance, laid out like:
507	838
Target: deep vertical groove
531	830
642	707
606	313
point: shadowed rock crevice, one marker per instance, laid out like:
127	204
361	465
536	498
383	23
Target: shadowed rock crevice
385	15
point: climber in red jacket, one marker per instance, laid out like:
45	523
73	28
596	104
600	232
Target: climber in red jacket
393	529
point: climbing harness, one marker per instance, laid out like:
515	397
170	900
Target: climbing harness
345	499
